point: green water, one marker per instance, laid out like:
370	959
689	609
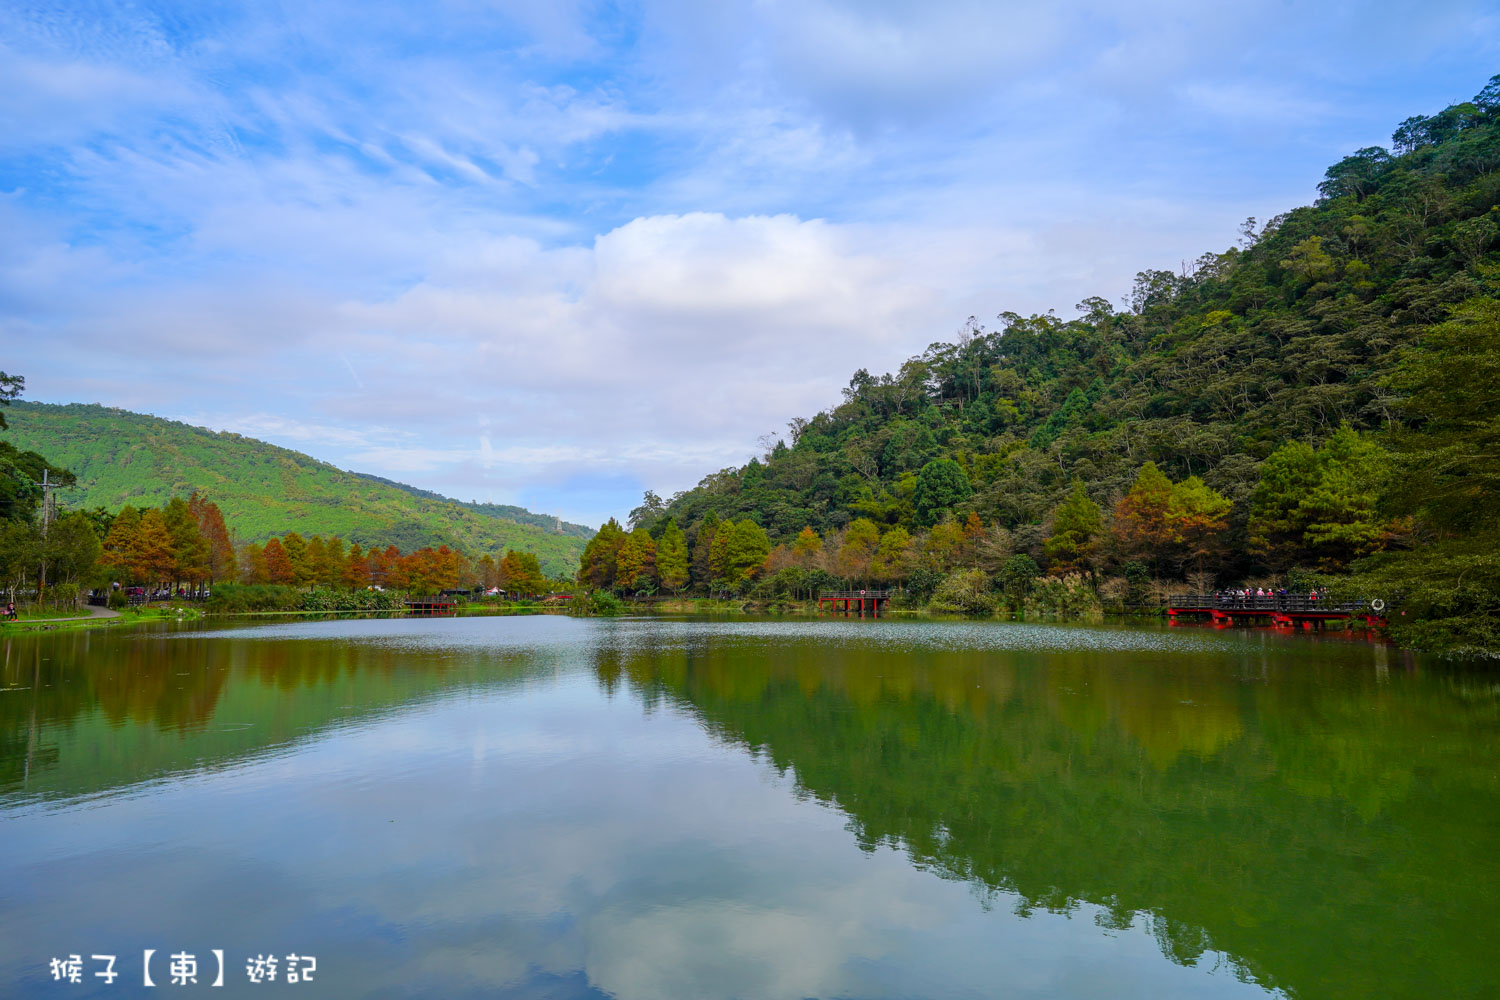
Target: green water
550	807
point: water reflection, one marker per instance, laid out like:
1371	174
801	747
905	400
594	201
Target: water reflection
84	713
1325	823
643	808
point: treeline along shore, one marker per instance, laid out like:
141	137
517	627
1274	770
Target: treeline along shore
1315	407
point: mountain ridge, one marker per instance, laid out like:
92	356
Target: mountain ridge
120	456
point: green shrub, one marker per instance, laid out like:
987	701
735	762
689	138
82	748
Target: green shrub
329	599
964	592
1017	577
63	595
600	602
230	598
1070	596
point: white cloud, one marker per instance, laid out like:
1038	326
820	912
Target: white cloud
622	246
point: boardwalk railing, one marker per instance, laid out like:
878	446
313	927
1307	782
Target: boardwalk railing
1290	604
855	601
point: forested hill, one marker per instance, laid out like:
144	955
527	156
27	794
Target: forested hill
506	512
1327	315
121	457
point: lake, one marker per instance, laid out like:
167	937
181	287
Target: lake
553	807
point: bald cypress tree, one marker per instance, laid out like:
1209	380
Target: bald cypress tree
672	558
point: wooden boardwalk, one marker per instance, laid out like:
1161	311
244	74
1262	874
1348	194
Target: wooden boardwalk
1288	612
432	606
855	601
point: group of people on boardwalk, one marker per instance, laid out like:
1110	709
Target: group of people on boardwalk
1247	595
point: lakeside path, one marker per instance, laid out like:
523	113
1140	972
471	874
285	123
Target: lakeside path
93	613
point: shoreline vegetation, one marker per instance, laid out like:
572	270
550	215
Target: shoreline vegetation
149	614
1313	409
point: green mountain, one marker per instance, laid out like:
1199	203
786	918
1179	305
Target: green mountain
121	457
1373	307
505	512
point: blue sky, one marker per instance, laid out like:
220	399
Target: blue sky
557	253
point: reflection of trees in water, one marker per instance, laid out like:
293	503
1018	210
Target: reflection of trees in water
94	713
1315	824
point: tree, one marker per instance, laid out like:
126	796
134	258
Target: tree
748	548
20	553
152	558
1016	579
448	568
1140	527
356	569
1321	506
702	571
189	548
382	563
892	560
861	539
1197	515
395	571
1076	524
635	565
253	565
121	543
648	513
941	484
1448	465
220	562
417	572
597	564
672	558
964	591
995	551
806	547
279	567
72	549
1450	459
1342	511
943	546
522	572
1277	524
11	386
316	559
718	553
296	553
332	566
973	539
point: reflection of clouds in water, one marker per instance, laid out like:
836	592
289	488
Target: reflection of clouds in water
638	859
556	631
402	632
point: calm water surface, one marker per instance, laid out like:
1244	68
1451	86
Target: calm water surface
638	808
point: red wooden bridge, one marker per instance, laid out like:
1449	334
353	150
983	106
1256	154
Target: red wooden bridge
1289	611
430	606
855	601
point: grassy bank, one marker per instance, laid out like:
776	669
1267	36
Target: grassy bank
132	616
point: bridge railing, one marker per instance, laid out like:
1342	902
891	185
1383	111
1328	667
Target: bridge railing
1296	604
854	594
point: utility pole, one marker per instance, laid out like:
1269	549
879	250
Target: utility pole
49	511
49	503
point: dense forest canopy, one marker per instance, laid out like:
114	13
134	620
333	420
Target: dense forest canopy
1282	393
